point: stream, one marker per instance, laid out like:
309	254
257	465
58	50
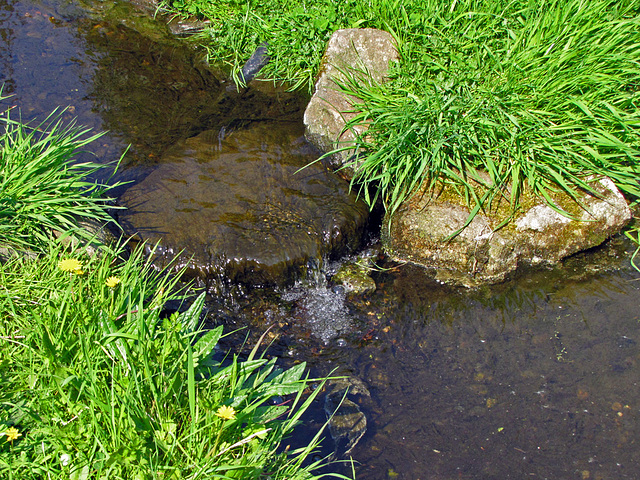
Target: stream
533	378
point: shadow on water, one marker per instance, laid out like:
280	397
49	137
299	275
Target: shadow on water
534	378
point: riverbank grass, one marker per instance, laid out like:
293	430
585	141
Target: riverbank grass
100	382
503	97
43	189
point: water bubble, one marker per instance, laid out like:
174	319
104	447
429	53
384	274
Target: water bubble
338	289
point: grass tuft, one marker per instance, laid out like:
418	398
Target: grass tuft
99	383
502	96
43	188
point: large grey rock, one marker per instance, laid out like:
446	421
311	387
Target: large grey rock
420	233
363	53
240	206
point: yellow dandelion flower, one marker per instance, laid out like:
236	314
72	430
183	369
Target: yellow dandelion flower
71	265
112	282
226	413
12	434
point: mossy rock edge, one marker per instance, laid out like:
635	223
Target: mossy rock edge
420	232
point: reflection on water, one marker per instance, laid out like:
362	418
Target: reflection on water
6	34
116	70
154	94
536	378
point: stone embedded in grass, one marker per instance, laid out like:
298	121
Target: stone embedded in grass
241	207
185	27
364	53
419	233
93	235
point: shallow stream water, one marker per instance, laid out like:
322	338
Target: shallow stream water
535	378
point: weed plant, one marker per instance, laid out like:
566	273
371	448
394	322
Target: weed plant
99	383
43	188
633	234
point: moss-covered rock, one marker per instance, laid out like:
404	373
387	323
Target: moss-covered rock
363	52
486	251
355	279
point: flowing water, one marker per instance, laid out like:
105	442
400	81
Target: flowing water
535	378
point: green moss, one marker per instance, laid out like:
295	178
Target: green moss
355	278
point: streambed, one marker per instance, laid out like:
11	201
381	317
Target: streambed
535	378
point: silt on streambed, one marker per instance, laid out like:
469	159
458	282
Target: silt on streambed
535	378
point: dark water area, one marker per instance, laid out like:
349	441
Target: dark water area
535	378
116	70
534	382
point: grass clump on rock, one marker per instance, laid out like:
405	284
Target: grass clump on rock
536	95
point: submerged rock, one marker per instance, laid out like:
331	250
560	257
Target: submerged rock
420	232
354	275
365	54
238	206
347	423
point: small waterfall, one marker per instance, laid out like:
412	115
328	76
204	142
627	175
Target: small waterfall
320	306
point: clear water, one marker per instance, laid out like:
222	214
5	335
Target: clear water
536	378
